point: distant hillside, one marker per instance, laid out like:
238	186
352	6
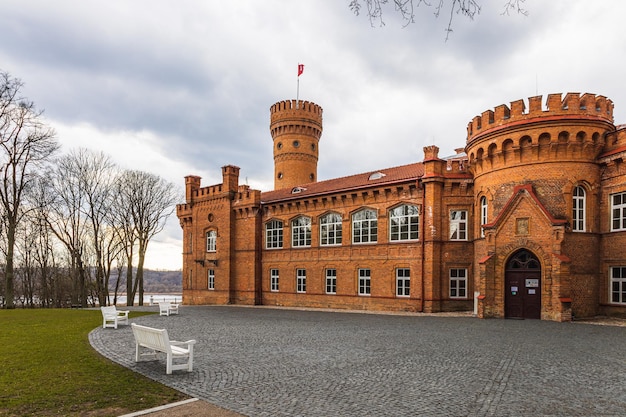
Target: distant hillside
154	281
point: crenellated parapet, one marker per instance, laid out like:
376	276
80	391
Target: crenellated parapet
573	106
296	117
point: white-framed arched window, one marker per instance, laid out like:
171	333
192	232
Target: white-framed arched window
483	214
578	209
365	226
330	229
301	232
404	223
211	241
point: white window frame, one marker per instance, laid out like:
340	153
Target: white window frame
301	232
484	206
274	280
618	211
365	226
211	279
458	224
301	280
404	223
617	287
365	281
211	241
331	281
331	229
579	215
458	283
274	234
403	282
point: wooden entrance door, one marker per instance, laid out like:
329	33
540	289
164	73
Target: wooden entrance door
523	286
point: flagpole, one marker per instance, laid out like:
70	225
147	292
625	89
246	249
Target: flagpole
298	91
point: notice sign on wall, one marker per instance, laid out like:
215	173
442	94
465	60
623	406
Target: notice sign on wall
532	283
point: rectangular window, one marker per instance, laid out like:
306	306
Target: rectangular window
365	287
211	241
578	209
403	282
301	280
618	284
458	283
274	234
404	223
274	280
330	230
365	226
331	281
458	225
618	212
211	279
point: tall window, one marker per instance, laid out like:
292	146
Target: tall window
458	225
330	229
274	234
211	279
365	287
483	214
403	282
274	280
301	280
301	232
365	226
618	284
211	240
458	283
618	211
331	281
578	209
404	223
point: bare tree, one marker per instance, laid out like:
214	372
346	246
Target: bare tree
406	8
25	143
147	200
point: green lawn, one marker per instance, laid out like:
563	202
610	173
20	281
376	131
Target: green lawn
48	368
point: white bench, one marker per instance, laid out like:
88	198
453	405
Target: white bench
111	317
157	340
167	308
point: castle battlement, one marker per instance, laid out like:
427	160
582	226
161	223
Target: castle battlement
587	106
295	108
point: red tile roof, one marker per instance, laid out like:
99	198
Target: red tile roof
401	174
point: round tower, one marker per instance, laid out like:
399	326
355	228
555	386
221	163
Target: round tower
296	128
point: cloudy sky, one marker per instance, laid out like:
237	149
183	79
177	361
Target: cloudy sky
184	87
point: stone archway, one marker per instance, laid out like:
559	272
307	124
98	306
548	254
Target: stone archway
522	298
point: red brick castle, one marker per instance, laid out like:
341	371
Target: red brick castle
527	221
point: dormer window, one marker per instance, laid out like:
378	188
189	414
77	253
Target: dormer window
297	190
376	176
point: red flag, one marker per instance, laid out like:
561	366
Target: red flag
300	69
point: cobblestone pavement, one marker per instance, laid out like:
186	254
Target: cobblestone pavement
259	361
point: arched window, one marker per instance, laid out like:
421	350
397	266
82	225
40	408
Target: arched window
274	234
330	229
365	226
404	223
578	209
483	214
301	232
211	241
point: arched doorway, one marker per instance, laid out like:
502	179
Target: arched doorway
523	286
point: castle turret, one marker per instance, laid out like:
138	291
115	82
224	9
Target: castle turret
296	128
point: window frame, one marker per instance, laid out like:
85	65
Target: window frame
365	282
331	280
331	230
301	280
211	241
301	232
211	279
403	282
404	223
274	230
458	225
484	209
621	209
579	209
455	281
274	280
620	281
366	228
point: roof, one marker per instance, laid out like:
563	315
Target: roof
389	176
